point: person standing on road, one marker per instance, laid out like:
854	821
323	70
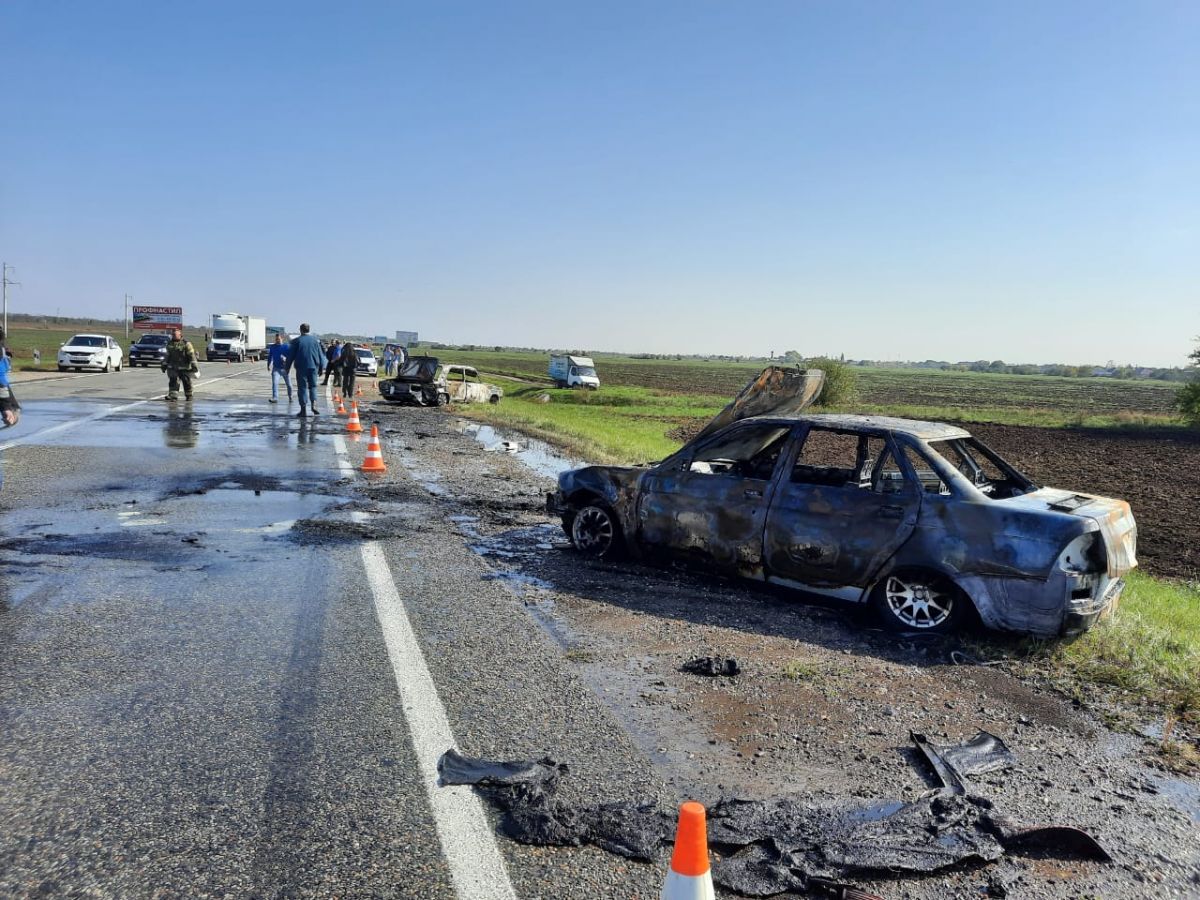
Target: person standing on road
348	365
331	355
10	409
277	365
180	365
304	353
389	360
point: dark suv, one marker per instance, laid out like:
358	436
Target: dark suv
150	350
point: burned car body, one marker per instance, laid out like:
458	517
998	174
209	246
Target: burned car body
426	381
919	519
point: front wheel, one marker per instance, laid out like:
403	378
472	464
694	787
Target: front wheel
107	366
919	601
443	399
595	531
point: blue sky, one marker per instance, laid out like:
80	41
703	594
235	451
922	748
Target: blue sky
904	181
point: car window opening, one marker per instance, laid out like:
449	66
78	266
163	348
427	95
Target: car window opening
747	453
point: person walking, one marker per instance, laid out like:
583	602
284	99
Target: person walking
389	360
304	353
331	354
277	365
179	365
348	365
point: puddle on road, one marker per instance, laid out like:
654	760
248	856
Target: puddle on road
537	456
238	524
1185	797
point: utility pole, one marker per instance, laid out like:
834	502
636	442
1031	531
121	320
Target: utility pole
5	268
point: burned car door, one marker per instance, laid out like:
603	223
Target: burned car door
841	510
712	502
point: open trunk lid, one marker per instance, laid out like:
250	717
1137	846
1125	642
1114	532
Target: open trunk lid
776	391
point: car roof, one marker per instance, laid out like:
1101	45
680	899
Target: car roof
88	334
925	431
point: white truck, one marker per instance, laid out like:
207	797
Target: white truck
236	338
573	371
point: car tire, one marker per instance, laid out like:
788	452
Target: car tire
107	366
63	368
443	399
913	600
595	531
495	398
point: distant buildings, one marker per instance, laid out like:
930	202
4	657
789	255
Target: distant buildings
406	338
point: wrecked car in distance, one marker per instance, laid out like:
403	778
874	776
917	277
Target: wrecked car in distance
426	381
920	520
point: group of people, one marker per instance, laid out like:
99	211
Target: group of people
310	360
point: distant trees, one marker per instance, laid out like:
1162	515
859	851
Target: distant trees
1188	397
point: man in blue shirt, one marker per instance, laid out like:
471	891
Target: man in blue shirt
304	354
277	366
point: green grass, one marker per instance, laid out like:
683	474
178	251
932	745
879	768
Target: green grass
1149	648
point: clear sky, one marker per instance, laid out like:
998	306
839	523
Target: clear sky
1012	180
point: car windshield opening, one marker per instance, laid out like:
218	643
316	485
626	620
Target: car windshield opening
148	339
87	340
746	452
224	335
983	467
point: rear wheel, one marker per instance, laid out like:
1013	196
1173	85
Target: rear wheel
914	600
594	530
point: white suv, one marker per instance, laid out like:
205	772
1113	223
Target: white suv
90	351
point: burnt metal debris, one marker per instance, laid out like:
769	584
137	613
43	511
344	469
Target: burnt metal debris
769	847
712	666
919	519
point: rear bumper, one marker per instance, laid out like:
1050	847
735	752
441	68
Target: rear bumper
1083	613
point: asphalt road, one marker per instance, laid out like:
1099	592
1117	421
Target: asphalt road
225	670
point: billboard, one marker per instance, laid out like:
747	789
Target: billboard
157	318
406	337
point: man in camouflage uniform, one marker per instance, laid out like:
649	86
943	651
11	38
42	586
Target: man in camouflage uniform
180	365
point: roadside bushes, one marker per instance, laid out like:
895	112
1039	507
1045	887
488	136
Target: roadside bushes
841	381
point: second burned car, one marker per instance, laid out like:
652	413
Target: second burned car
919	519
427	381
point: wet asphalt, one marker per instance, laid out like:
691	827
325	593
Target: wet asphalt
195	696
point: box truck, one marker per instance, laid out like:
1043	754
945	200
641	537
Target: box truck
573	371
236	337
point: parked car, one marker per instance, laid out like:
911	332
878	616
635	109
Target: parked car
918	519
150	350
367	364
426	381
90	351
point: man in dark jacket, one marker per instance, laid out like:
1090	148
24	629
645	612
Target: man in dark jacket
348	364
304	353
332	352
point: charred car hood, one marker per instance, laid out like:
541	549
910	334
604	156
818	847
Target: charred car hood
1112	518
777	391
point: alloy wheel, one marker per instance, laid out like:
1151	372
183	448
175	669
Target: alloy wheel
918	603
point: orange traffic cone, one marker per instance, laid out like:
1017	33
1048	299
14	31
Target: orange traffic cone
358	392
353	424
341	407
374	458
690	877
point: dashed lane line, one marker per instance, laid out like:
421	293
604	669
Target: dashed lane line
468	842
104	413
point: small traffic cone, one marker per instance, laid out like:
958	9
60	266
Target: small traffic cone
690	877
353	424
341	407
358	391
374	458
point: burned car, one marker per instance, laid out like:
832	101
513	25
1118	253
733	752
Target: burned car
920	520
426	381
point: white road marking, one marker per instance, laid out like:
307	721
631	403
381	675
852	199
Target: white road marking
104	413
468	843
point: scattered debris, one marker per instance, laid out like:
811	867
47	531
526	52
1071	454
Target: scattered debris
712	666
768	847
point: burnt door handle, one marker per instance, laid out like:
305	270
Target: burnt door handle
891	512
752	494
